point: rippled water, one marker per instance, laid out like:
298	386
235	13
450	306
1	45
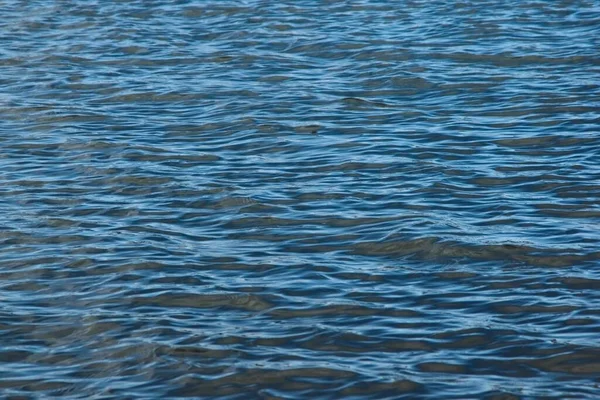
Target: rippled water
300	199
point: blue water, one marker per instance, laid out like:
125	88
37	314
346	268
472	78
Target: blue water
300	200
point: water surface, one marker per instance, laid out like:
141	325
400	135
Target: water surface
300	199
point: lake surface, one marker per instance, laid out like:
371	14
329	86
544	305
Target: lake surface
300	199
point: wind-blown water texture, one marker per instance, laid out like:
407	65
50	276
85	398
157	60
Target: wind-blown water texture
307	199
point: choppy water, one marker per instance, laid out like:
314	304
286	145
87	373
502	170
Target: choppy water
300	199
